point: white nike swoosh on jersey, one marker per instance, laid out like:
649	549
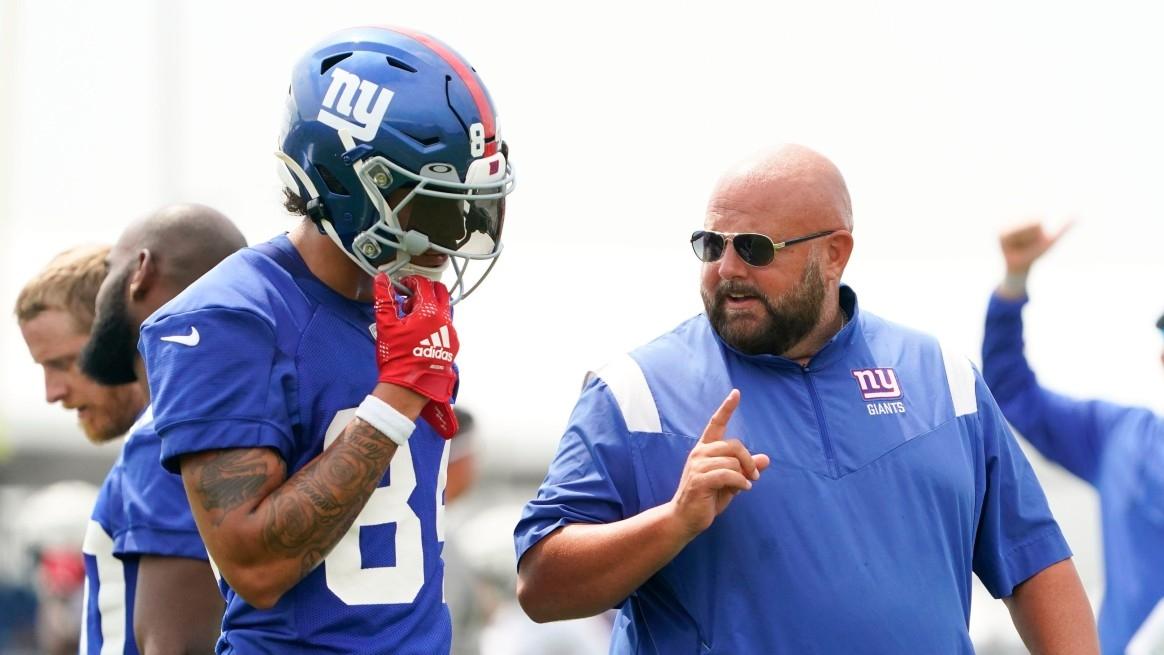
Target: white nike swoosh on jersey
191	339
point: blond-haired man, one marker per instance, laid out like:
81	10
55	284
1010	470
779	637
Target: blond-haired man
55	312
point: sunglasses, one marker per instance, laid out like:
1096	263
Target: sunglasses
754	249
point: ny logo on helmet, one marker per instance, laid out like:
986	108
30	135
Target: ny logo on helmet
350	97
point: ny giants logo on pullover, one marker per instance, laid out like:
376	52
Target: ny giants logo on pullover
879	384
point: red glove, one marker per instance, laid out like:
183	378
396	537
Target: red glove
441	417
416	350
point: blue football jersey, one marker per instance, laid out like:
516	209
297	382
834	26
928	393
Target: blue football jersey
1119	450
156	513
267	356
141	510
893	479
107	622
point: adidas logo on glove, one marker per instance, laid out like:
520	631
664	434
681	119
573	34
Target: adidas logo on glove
434	346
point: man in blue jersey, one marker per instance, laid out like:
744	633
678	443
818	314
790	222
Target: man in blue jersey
303	388
172	602
1117	449
838	499
55	311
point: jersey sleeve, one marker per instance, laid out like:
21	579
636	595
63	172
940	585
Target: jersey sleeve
222	383
591	478
107	511
1017	535
1072	433
158	520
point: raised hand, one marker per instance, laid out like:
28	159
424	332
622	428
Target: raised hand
415	347
716	470
1022	246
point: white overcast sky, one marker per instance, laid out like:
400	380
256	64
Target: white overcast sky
949	120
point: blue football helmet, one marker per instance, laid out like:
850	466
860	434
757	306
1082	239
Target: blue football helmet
391	140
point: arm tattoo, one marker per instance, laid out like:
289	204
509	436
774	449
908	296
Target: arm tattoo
309	513
232	478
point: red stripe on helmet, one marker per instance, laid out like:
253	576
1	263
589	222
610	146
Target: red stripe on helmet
467	76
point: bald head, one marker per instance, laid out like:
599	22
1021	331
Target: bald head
155	259
184	241
797	187
779	301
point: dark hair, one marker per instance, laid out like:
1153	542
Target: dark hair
293	203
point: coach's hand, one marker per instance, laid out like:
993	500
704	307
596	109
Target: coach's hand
415	347
716	470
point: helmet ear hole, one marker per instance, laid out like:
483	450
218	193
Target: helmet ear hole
427	141
326	64
331	181
396	63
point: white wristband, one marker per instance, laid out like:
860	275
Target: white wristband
385	419
1014	285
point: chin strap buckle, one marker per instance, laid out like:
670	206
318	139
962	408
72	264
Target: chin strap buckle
315	212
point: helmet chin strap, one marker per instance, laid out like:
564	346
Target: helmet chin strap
296	173
292	172
433	273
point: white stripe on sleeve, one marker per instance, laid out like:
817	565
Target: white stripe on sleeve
629	387
960	378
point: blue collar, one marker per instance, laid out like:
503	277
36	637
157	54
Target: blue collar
283	252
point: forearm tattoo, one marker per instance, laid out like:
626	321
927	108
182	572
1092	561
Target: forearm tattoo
309	513
232	478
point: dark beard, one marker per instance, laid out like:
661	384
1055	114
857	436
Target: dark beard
786	323
110	355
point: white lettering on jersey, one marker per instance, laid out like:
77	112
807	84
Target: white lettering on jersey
349	97
384	585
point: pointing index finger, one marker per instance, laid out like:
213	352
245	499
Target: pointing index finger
717	426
